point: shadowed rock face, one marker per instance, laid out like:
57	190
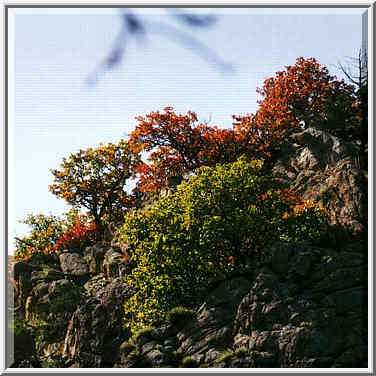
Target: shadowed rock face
95	331
310	311
320	166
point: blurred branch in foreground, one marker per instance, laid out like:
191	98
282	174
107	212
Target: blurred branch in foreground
135	27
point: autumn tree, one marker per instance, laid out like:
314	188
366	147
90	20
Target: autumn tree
95	179
178	144
305	95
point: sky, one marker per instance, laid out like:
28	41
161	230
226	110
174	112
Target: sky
52	53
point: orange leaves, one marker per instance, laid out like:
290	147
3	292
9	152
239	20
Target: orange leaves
94	178
178	145
79	236
300	94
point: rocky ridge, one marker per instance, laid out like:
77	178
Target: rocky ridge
304	305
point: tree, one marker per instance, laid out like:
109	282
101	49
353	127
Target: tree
305	95
95	179
178	145
356	72
45	232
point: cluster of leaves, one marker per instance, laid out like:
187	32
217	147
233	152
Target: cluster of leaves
79	236
206	230
306	94
178	144
45	232
95	179
212	224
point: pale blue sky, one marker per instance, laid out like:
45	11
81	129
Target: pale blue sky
53	113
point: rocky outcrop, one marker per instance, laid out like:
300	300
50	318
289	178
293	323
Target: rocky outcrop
95	330
308	313
73	263
301	306
320	166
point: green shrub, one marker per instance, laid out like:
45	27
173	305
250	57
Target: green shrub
241	351
180	315
146	331
45	232
203	232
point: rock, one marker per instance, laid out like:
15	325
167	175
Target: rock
21	274
48	310
113	264
164	332
95	331
320	166
148	346
73	263
214	326
304	328
94	256
46	275
96	284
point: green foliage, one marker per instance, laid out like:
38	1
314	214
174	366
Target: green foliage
225	356
18	326
204	232
126	348
305	324
229	354
241	351
189	362
180	315
135	356
45	232
64	300
143	332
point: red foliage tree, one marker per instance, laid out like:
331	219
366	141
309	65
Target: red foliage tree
178	144
305	94
78	237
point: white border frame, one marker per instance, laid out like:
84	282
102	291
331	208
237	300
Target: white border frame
5	159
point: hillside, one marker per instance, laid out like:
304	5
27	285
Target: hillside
302	305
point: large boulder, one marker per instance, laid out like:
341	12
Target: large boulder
94	256
73	263
48	309
114	264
